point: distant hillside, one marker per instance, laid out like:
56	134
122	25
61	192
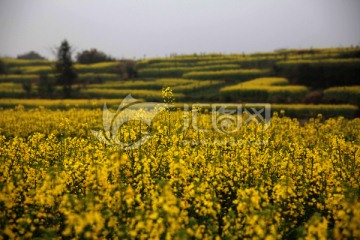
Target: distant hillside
206	77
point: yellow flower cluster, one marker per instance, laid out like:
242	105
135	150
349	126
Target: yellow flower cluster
293	180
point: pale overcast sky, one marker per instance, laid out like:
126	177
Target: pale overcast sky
135	28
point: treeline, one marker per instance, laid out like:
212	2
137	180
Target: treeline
320	74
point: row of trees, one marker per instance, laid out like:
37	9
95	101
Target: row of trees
31	56
93	56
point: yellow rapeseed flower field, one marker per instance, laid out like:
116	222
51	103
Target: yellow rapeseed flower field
293	180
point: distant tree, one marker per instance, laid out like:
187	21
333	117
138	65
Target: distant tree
31	56
127	69
92	56
3	67
66	74
27	87
45	86
130	69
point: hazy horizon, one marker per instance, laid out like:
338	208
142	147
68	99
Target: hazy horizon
128	29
